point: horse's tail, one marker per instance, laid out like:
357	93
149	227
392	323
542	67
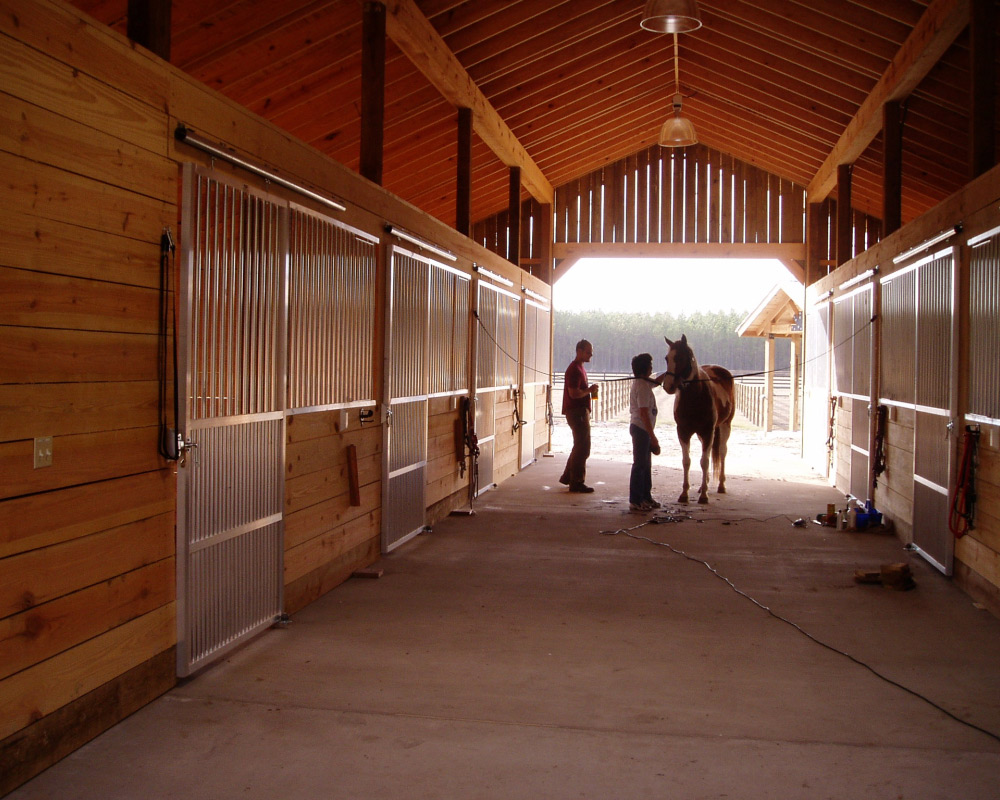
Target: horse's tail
724	397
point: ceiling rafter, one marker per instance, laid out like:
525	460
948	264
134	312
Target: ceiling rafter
416	37
774	83
940	25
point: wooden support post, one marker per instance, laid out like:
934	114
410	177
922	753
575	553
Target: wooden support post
845	228
149	25
352	474
875	390
983	42
892	175
814	251
463	192
545	242
514	218
793	381
769	384
372	89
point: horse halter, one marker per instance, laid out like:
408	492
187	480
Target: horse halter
681	383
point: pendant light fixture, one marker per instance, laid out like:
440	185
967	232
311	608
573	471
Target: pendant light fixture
671	16
677	131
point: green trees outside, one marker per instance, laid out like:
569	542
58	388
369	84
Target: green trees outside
618	336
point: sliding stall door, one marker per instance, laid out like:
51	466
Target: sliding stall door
935	356
232	359
428	357
497	361
918	375
535	380
406	383
852	359
816	407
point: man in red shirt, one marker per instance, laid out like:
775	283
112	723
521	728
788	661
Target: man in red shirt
576	406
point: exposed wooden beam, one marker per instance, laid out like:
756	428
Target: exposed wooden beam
149	25
983	91
845	230
938	28
892	168
416	37
568	253
545	243
514	217
814	247
372	90
463	190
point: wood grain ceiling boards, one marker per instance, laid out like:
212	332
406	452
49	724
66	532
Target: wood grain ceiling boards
772	82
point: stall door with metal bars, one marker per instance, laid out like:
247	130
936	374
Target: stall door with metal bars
852	359
497	355
428	356
918	374
816	412
406	383
984	320
230	487
536	377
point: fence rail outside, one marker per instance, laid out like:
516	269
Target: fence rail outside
751	397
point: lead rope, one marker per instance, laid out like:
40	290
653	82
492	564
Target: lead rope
963	508
166	443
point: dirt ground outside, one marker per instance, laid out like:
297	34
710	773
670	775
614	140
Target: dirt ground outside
753	453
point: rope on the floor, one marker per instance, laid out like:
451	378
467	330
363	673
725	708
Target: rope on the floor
628	532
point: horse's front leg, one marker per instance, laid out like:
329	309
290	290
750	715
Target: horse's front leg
686	464
706	449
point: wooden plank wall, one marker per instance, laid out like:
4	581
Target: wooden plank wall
977	554
693	194
326	537
87	546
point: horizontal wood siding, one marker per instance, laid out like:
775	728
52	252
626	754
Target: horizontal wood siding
87	575
321	525
91	175
978	552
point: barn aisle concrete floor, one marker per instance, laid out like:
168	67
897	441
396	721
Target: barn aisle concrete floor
524	653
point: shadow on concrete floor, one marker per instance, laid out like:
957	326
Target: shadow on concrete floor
530	651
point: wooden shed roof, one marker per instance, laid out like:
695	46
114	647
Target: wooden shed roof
576	84
777	315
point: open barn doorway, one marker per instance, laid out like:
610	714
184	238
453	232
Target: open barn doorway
626	306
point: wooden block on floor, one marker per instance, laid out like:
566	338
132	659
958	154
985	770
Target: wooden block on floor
367	572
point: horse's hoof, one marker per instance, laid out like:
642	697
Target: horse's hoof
722	490
683	498
703	500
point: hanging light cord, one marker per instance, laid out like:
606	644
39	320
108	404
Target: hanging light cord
677	67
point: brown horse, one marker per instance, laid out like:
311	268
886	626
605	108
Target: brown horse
704	404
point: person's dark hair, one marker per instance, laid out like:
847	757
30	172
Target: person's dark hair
582	344
642	365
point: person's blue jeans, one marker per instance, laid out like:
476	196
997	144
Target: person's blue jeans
640	487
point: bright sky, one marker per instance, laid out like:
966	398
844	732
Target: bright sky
678	286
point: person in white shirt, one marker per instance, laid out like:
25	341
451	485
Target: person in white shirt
642	421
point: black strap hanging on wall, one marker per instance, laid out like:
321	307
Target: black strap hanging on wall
167	435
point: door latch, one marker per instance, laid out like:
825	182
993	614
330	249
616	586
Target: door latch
183	445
